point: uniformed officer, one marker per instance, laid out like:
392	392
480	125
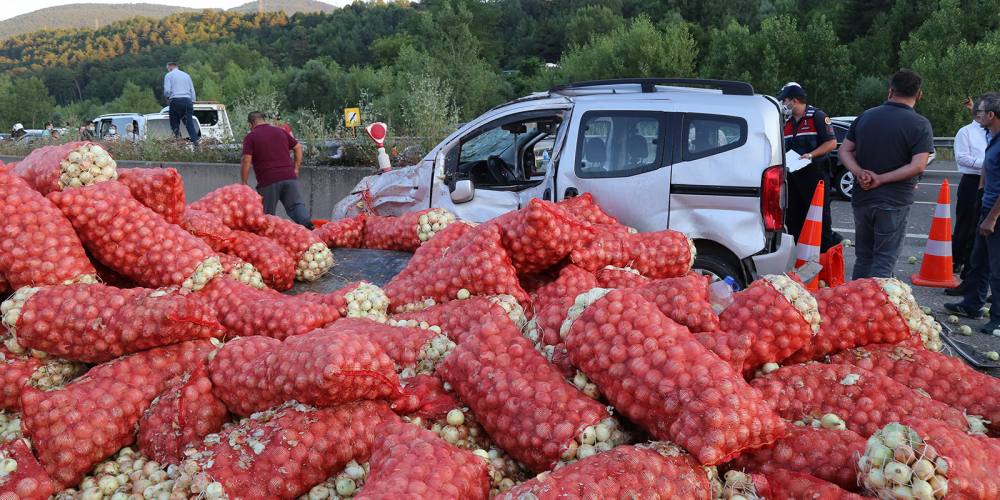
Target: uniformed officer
809	133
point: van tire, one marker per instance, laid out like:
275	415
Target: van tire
718	268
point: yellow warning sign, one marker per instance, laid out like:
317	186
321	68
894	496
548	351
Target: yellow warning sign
352	117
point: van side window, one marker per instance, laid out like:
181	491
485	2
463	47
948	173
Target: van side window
620	143
707	135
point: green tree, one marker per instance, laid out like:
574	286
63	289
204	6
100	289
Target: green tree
311	88
135	99
26	101
640	50
591	21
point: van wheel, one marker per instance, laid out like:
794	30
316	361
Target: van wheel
717	268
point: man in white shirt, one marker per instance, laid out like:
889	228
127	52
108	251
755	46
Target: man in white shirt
970	150
179	89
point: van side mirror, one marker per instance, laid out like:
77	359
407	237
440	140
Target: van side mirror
463	191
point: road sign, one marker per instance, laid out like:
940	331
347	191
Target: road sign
377	132
352	117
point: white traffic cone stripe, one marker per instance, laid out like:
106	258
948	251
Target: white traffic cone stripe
815	214
938	248
805	252
943	211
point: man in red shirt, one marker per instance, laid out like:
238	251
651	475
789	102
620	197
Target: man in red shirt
266	148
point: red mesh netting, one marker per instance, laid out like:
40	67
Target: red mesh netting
655	471
408	348
160	189
40	247
359	292
552	302
616	277
313	258
393	233
541	234
433	251
42	168
29	481
344	233
658	375
245	311
130	238
184	414
20	370
533	283
324	367
5	285
411	463
109	276
477	263
944	378
435	402
283	453
864	400
244	272
584	208
853	314
237	205
788	485
93	417
684	300
519	398
98	323
729	347
827	454
208	227
455	318
275	264
656	255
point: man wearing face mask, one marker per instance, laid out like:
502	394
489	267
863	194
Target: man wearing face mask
809	133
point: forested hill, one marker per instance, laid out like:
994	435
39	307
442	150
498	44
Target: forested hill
289	6
92	15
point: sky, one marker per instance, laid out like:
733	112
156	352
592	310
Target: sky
11	8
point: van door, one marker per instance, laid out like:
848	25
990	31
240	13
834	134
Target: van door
623	158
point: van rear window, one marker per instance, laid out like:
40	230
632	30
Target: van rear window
620	143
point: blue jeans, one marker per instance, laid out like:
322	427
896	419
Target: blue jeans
879	229
985	272
291	198
182	109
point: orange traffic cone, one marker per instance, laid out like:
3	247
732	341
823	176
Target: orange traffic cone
935	270
812	234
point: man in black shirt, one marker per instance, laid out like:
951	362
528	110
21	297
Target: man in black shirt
886	148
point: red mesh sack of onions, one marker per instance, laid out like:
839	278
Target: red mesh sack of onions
18	369
39	247
360	299
859	313
788	485
863	400
541	234
133	240
75	164
239	377
432	252
405	232
656	255
208	227
246	311
413	463
160	189
684	300
413	351
21	477
619	277
184	414
522	401
659	376
282	453
779	312
925	458
244	272
94	416
275	264
828	454
552	302
344	233
477	264
67	320
943	378
733	348
314	259
583	207
654	471
238	205
458	317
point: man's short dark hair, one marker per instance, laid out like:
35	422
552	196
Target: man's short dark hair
171	63
799	98
254	116
906	83
990	102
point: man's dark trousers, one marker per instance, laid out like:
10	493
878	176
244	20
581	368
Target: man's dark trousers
288	192
966	221
182	109
985	272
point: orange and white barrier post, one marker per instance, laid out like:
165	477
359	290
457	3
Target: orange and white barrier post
936	270
808	246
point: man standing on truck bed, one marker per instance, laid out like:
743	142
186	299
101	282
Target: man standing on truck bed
179	89
266	148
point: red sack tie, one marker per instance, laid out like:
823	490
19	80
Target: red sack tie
237	205
160	189
410	462
619	277
458	317
53	168
135	241
943	378
656	255
789	485
541	234
865	401
551	303
313	258
28	481
94	416
653	371
344	233
684	300
209	228
583	207
282	453
40	247
405	232
432	252
275	264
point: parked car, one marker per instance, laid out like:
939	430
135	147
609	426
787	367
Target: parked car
841	179
706	162
213	119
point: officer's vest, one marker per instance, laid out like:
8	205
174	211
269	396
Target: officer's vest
803	139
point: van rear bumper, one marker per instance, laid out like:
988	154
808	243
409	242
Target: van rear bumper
782	260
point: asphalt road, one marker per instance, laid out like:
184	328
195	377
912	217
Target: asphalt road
921	215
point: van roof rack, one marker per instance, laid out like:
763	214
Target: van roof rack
648	85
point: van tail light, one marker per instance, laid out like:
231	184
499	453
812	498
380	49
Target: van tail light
773	197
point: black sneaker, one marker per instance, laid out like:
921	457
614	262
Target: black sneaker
960	310
957	291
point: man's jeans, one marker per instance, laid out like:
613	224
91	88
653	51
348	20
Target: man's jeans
879	230
182	110
985	272
291	198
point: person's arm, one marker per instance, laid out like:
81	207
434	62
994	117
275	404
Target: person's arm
245	168
297	154
916	167
823	149
166	85
990	222
191	85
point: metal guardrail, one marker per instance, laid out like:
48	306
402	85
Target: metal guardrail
944	142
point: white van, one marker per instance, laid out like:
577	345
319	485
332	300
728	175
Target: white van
154	125
212	117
